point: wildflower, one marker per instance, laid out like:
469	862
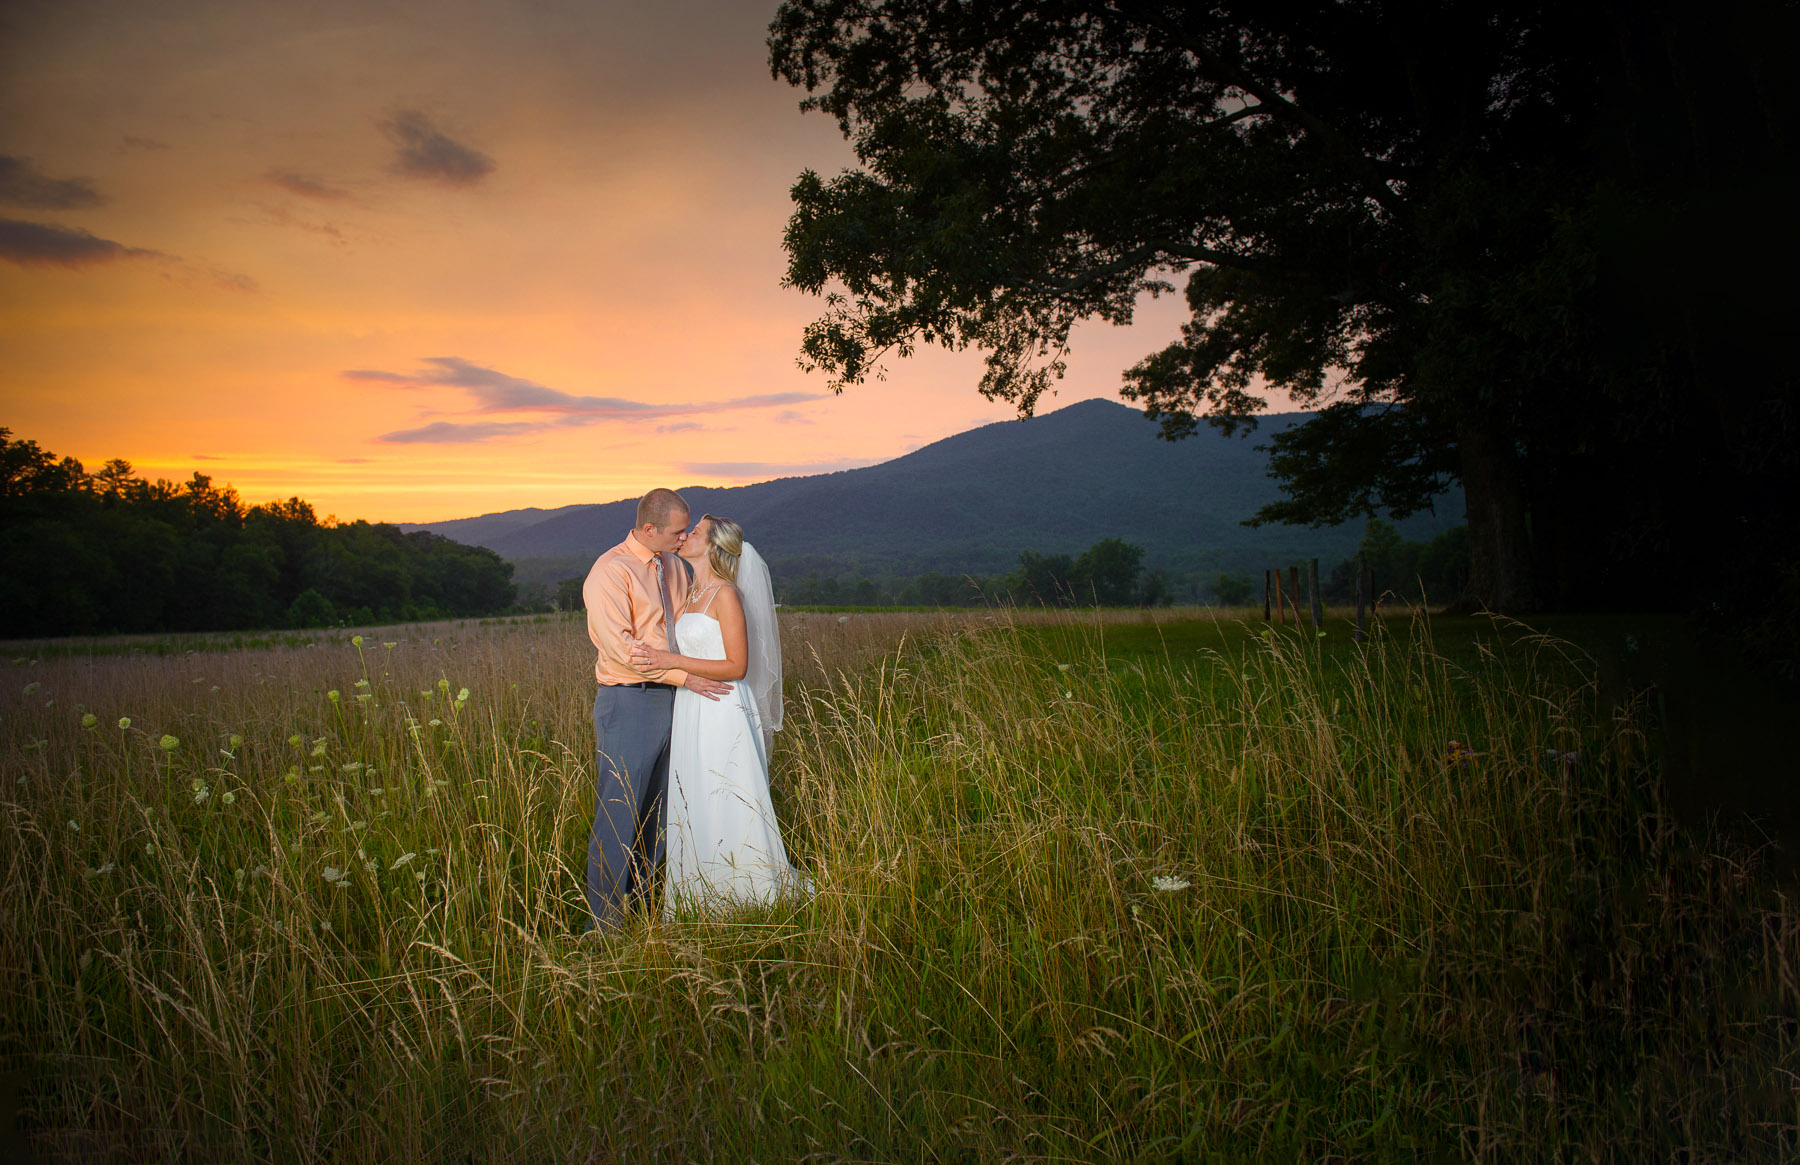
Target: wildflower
74	825
227	797
425	695
376	791
32	687
90	721
1169	885
201	794
360	684
326	925
334	875
354	766
402	860
236	741
124	723
297	740
168	743
238	874
1459	753
436	723
215	687
332	695
462	697
391	646
370	867
843	618
443	685
292	776
319	747
356	641
1064	666
101	871
361	696
149	849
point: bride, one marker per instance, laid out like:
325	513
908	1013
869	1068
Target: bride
724	847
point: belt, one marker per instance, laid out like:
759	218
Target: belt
646	685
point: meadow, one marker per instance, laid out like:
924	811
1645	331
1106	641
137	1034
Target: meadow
1089	888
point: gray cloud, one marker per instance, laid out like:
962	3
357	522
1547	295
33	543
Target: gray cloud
496	392
42	244
769	469
450	433
306	186
130	142
681	427
792	417
427	152
22	184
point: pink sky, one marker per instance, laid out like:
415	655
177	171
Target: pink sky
421	261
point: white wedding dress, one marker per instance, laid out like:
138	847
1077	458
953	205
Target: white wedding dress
723	845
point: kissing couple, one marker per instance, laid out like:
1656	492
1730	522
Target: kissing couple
689	701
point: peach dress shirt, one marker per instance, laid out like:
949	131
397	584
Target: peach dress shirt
622	605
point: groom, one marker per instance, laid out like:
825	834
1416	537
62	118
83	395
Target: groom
634	592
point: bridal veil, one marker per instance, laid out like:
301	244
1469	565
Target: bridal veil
763	633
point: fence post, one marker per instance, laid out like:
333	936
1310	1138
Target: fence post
1316	601
1359	599
1265	594
1294	593
1280	603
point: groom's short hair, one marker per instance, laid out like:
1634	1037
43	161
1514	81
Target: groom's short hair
656	507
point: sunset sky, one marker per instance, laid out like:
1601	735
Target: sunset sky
422	261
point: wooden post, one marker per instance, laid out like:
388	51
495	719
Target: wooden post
1280	606
1265	594
1315	600
1294	593
1359	599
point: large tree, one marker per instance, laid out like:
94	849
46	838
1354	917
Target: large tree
1429	218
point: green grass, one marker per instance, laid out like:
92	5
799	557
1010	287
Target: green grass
1085	892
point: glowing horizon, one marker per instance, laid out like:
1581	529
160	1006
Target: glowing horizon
412	261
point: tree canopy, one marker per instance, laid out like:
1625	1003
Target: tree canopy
112	552
1470	231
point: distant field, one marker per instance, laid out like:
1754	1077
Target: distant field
1115	886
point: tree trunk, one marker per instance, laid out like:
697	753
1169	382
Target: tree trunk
1501	576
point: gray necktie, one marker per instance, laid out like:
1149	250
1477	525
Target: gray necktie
662	591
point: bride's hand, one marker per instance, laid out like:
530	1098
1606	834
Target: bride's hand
645	658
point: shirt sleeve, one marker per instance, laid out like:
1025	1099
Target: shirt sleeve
605	594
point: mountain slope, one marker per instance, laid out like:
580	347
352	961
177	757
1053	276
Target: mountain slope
1055	483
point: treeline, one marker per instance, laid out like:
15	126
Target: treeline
1435	572
1110	573
108	551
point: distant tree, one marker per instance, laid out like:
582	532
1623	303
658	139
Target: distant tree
1233	590
568	593
1106	573
311	609
1155	591
1044	579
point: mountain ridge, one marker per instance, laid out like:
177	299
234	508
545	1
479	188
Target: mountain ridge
972	502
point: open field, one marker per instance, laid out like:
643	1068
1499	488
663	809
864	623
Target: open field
1089	888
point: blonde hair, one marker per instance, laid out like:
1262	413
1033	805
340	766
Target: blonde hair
724	544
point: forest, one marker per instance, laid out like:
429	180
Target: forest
108	551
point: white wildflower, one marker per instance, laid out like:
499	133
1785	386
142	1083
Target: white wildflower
1168	885
402	860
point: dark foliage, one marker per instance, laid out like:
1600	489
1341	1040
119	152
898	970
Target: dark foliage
108	552
1548	244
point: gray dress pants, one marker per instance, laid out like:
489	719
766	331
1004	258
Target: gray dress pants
631	739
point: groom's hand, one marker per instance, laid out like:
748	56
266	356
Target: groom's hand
711	689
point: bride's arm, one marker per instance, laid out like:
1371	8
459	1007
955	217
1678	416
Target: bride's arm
728	609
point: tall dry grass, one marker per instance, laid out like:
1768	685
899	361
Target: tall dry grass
1239	906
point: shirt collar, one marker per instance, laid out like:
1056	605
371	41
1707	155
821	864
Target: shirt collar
638	550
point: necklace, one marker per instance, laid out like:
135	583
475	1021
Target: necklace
695	590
